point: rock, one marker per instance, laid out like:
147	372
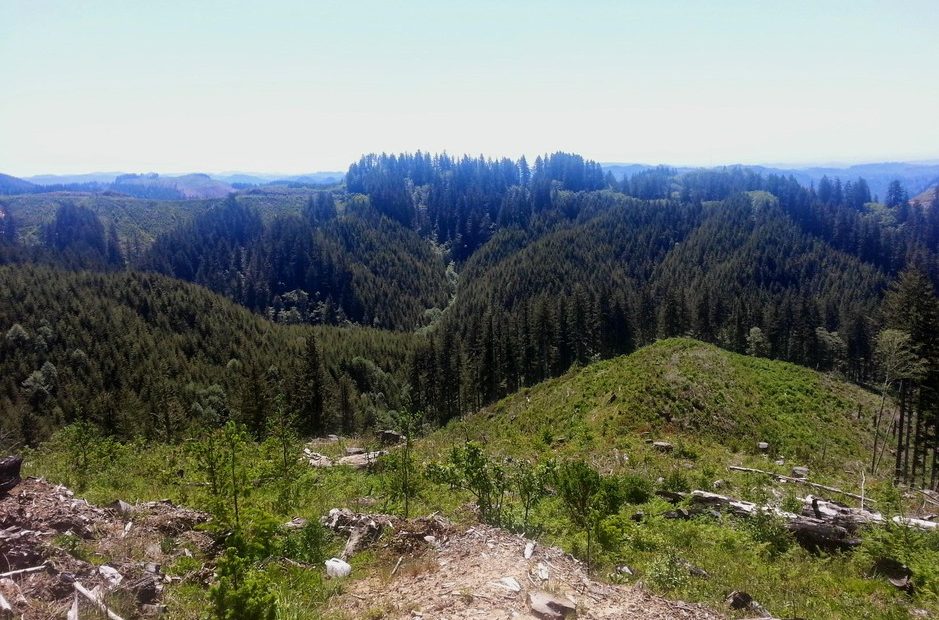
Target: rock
800	472
663	446
351	451
511	584
111	576
624	570
390	437
780	461
122	507
638	516
153	610
361	461
147	589
529	550
316	459
762	446
739	600
337	568
332	438
430	539
152	567
550	606
541	571
679	513
719	484
296	523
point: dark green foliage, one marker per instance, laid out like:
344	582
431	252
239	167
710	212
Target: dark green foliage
318	268
241	593
141	354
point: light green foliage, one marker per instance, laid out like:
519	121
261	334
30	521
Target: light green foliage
470	469
282	448
585	497
530	482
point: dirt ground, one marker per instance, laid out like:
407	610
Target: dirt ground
482	572
118	552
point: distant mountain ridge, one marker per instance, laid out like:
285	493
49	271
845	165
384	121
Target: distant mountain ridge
915	177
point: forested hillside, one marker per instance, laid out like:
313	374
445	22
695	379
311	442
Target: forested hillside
513	272
141	354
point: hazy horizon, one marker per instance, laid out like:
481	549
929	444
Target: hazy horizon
297	87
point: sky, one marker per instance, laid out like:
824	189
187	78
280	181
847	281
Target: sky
292	87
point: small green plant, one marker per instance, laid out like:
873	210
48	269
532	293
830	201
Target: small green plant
669	573
307	545
469	468
635	489
531	484
676	481
770	530
284	447
579	486
74	546
241	593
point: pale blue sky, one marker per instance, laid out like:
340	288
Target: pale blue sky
299	86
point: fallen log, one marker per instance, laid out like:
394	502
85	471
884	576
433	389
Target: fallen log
816	485
813	533
97	602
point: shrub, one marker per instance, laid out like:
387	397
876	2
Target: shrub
241	593
635	489
669	573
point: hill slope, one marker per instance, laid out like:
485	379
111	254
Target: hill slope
681	388
119	347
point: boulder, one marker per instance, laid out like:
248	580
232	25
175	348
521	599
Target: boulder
663	446
739	599
361	461
550	606
800	472
762	446
354	451
122	507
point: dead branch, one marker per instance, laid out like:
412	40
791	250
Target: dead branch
97	602
23	571
816	485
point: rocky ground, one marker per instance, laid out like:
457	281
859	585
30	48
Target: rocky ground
435	570
52	545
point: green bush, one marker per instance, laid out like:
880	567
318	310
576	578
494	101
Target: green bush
307	545
635	489
769	530
669	573
241	592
